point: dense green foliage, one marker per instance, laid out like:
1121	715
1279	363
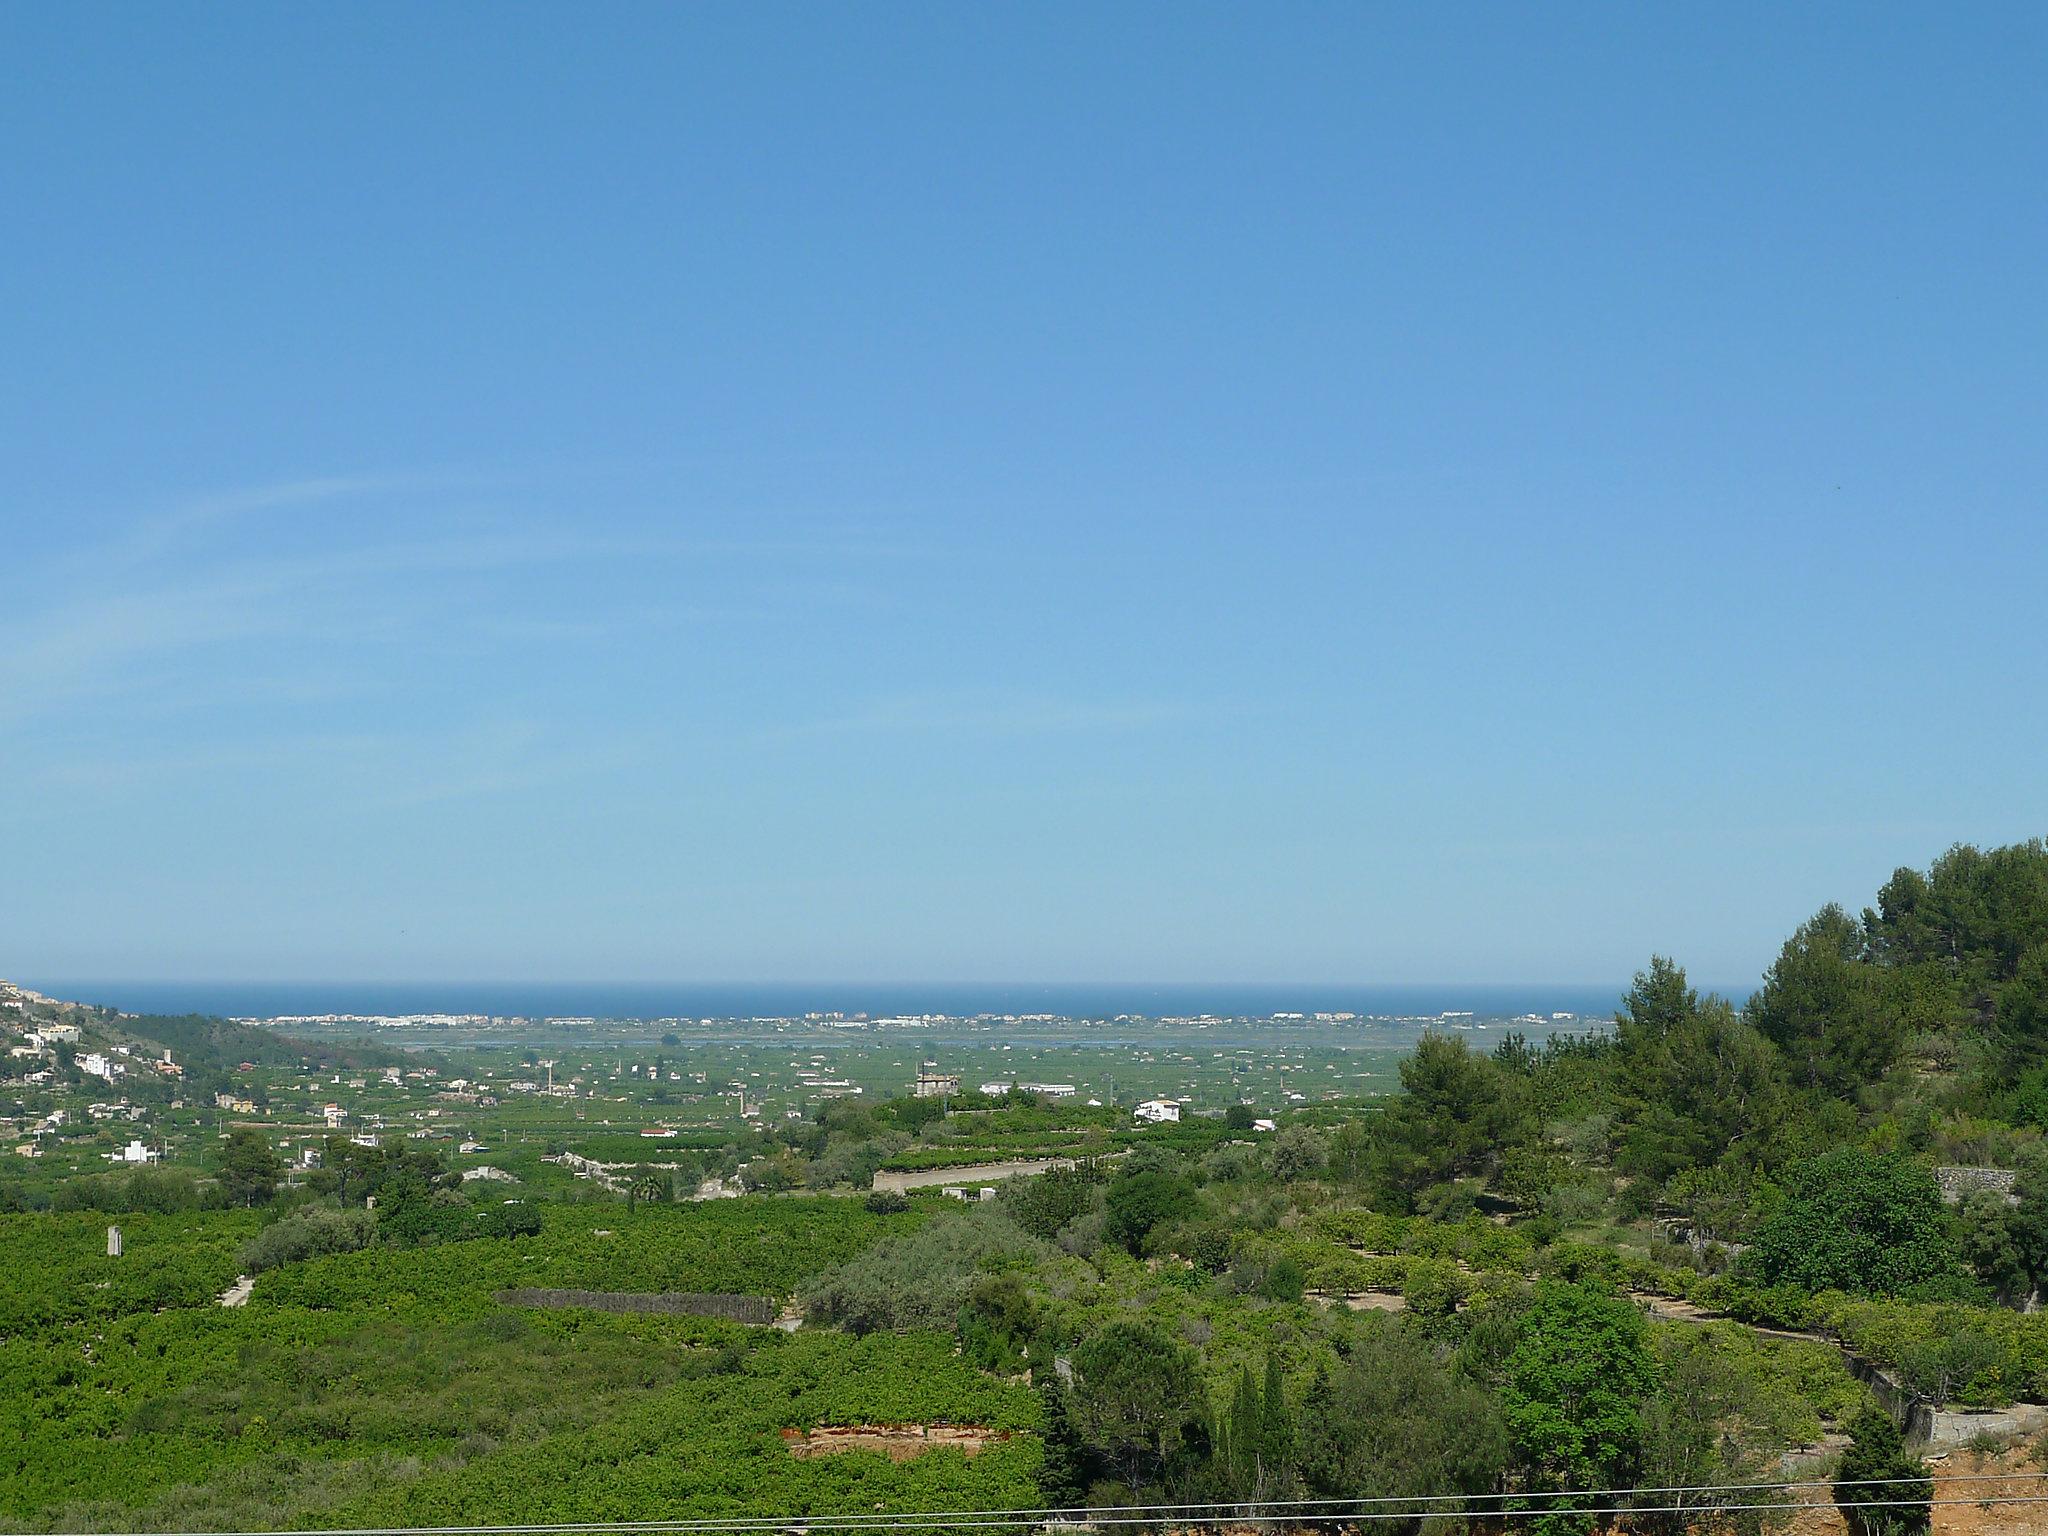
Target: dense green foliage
386	1385
58	1272
1391	1421
312	1233
1533	1272
754	1247
1881	1490
1849	1221
1135	1395
210	1045
920	1279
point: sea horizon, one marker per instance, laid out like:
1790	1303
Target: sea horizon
744	1000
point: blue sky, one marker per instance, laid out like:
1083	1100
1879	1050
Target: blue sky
1010	492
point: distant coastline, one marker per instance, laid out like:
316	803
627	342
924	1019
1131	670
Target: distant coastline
241	999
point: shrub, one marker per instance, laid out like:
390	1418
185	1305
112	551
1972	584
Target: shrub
410	1215
1044	1204
1297	1154
1284	1280
921	1280
1206	1245
1872	1487
311	1233
139	1190
514	1220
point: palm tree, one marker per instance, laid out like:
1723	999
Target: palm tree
648	1184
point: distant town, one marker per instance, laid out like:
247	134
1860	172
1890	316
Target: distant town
88	1087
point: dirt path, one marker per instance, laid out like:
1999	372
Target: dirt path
1671	1310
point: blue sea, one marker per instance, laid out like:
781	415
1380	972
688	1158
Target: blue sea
653	1000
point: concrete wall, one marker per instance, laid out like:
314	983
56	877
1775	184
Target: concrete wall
902	1181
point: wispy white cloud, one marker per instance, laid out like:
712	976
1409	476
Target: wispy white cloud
170	606
156	535
380	644
935	714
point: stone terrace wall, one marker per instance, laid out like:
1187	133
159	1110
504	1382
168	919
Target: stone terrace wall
1957	1184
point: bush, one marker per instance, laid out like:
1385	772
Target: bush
1206	1245
1869	1488
517	1219
1284	1280
410	1215
1044	1204
312	1233
152	1191
1433	1294
1297	1154
1232	1163
921	1280
999	1322
1082	1236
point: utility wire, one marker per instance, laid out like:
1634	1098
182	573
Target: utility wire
1240	1512
966	1520
1079	1511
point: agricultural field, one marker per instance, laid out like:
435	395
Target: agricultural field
389	1386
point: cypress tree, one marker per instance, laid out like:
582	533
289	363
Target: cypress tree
1276	1429
1063	1471
1881	1490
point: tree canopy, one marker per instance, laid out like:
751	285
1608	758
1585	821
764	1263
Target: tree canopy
1854	1221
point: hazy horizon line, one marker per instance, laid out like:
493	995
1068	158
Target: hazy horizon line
509	994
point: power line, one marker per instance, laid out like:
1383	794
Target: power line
1229	1515
1082	1511
1242	1512
1226	1515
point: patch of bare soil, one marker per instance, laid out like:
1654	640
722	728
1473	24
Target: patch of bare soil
898	1442
1984	1515
1361	1301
